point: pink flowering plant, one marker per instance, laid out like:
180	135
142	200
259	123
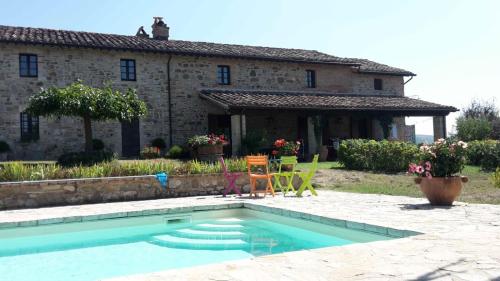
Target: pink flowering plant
441	159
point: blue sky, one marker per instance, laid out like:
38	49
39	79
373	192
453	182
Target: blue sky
453	46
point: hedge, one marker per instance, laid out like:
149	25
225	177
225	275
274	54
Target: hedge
380	156
485	153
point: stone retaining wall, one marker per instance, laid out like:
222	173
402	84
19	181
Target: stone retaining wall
32	194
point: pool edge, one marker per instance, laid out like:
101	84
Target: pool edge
348	224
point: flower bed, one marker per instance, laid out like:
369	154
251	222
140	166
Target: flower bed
19	171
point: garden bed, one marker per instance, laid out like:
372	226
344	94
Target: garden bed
31	171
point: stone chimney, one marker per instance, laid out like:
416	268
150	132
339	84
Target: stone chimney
160	29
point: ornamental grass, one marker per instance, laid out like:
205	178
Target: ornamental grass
21	171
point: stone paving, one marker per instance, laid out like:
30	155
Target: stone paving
458	243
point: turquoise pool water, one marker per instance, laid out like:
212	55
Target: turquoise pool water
117	247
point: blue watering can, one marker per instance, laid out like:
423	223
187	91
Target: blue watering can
162	179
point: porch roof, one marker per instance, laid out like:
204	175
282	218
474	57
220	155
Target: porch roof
235	99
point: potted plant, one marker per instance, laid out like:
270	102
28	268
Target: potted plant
438	171
207	147
283	147
4	148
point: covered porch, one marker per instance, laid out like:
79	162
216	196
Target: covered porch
317	119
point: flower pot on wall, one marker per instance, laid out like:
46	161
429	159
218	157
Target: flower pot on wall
441	191
209	153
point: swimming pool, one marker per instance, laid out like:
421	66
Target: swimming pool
116	247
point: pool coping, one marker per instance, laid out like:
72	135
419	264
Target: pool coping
348	224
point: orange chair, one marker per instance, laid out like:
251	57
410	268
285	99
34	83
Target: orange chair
262	163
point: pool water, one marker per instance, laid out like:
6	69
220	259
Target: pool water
117	247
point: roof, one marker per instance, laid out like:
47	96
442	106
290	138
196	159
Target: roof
52	37
245	99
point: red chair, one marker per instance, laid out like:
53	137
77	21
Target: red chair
231	179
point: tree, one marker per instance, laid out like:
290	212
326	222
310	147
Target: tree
479	120
469	129
481	110
79	100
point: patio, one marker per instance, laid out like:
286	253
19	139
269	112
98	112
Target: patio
459	243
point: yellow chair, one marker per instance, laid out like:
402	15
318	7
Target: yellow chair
259	163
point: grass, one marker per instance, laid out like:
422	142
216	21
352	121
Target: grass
321	165
479	189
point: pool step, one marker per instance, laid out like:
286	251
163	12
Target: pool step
190	243
194	233
218	227
229	220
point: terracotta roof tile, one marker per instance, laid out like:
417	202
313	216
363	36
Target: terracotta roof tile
235	99
43	36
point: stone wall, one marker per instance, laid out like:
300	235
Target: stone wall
33	194
61	66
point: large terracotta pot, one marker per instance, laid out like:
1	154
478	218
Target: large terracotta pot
323	153
441	191
209	153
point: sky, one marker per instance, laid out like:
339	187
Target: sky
453	46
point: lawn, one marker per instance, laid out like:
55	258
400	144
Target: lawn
479	189
321	165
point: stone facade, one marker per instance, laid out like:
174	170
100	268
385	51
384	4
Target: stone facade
58	66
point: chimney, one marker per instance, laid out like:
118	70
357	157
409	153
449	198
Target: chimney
160	29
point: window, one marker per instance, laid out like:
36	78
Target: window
223	75
29	127
127	69
311	78
377	84
28	65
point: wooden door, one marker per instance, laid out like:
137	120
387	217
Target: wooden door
131	139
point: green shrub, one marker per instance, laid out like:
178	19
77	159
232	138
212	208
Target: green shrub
176	152
469	129
151	152
495	129
476	151
495	178
159	142
97	144
383	156
85	158
491	159
253	142
4	147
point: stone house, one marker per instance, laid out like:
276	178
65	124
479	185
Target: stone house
198	87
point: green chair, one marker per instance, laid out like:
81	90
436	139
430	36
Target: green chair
307	176
288	175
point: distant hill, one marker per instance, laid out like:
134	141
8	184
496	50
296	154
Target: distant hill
424	138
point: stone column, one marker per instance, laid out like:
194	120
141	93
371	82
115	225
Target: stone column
439	123
311	137
238	131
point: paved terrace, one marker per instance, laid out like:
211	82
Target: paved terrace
459	243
